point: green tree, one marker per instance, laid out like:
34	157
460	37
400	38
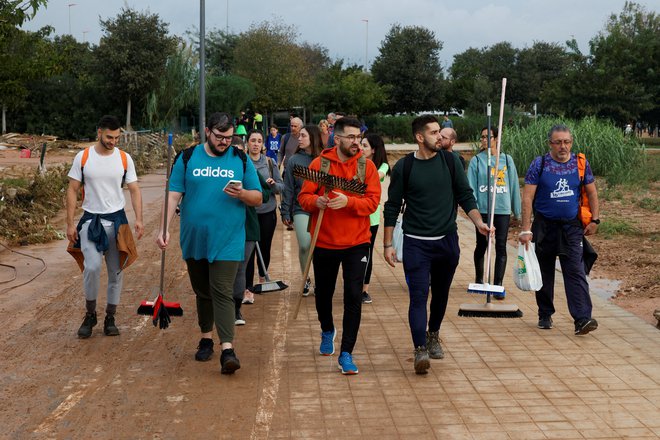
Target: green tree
177	90
13	13
536	67
408	63
219	51
76	84
23	57
134	51
347	89
268	55
620	78
468	86
229	93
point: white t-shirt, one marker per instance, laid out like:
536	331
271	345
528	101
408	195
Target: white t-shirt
103	174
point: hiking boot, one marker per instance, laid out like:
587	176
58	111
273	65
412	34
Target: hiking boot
433	345
308	284
584	326
545	323
239	318
421	361
366	299
346	364
328	342
229	362
109	327
204	350
85	330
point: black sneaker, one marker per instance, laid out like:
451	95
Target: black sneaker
366	299
545	323
239	318
85	330
204	350
229	362
421	360
109	327
433	345
584	326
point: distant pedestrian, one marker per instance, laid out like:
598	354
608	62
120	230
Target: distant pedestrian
273	143
447	123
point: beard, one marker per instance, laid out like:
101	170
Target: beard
216	151
106	146
432	146
347	150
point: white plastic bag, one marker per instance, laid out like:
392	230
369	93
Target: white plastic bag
526	270
397	238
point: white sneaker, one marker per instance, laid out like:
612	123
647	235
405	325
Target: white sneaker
248	297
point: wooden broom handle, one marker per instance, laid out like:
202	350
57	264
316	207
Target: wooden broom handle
308	263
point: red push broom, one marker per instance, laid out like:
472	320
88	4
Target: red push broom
158	309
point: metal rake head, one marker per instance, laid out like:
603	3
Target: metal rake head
329	181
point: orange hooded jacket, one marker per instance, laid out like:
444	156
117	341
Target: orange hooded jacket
348	226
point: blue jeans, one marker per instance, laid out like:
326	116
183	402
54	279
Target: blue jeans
422	258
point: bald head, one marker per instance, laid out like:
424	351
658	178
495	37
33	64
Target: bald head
296	125
447	138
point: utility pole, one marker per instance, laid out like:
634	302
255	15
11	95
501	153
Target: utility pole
70	4
202	73
366	45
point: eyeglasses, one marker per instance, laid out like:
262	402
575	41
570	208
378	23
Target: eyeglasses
351	137
562	141
221	138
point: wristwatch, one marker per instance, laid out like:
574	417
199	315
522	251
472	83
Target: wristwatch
595	220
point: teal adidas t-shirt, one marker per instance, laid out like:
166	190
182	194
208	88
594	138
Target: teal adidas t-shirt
212	223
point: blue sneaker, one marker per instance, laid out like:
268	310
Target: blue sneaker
328	342
346	364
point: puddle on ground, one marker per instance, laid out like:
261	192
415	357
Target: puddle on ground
604	288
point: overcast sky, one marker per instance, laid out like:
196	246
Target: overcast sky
338	25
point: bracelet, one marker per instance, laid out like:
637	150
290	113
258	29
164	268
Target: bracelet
525	233
387	246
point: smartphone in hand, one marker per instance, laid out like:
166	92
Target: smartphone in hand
233	184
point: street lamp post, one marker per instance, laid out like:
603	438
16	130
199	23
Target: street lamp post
366	45
202	71
70	4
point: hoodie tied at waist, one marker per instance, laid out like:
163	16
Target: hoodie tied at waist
96	234
542	224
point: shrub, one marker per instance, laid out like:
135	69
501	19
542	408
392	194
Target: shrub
610	154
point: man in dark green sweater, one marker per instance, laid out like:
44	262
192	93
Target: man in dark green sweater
432	187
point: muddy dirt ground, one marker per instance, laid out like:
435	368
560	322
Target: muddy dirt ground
59	388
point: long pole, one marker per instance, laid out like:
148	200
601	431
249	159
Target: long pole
366	45
227	19
202	72
70	4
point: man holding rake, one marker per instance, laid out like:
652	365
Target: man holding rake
343	237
